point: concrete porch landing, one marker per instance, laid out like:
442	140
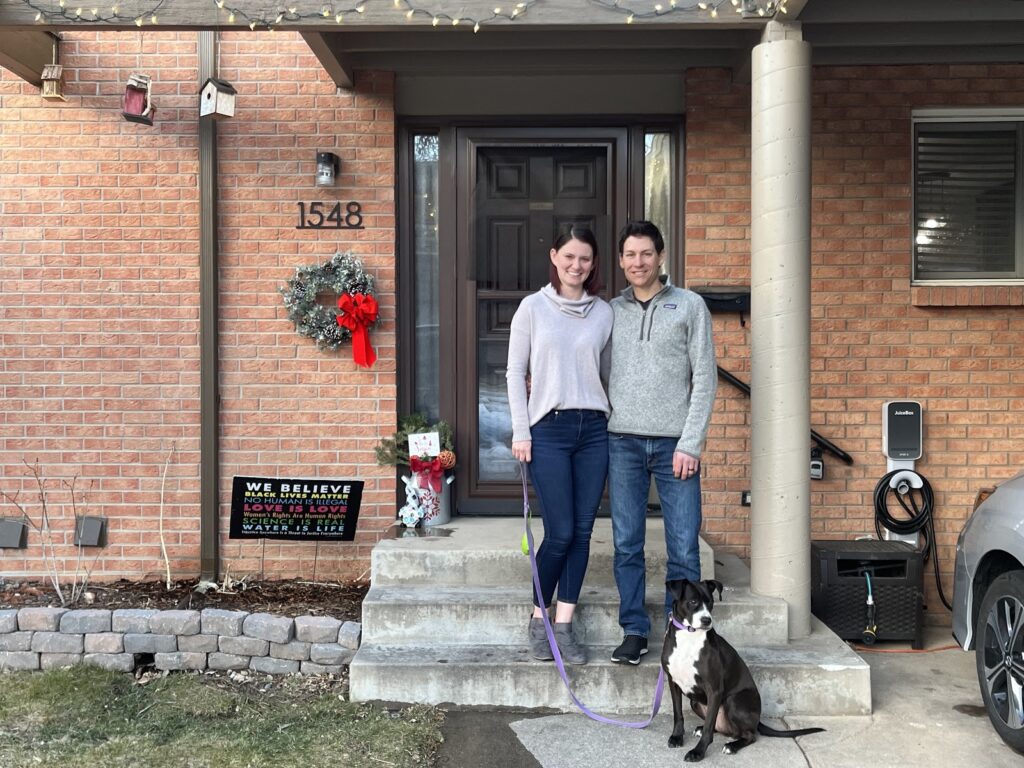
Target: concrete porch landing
445	622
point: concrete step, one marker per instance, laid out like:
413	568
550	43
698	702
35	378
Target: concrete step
497	616
819	675
485	552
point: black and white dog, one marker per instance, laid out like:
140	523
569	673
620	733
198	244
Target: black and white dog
705	668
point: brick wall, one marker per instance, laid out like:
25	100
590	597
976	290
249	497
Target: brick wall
873	338
99	297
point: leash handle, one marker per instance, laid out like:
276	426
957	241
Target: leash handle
659	688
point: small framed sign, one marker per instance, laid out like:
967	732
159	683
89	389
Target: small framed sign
299	510
424	444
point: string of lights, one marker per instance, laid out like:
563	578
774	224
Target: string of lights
93	14
711	8
269	18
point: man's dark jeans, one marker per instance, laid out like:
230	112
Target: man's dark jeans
633	459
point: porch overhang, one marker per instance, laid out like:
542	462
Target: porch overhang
26	51
563	36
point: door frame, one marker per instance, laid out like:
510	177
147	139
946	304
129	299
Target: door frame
458	140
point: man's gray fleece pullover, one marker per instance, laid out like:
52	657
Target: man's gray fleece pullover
663	372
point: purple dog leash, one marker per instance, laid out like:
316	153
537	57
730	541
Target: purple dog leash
659	688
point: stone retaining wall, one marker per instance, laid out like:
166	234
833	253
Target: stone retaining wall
47	638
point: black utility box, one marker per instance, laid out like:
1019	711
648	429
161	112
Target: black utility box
839	588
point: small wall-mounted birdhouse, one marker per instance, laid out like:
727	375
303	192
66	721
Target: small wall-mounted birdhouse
137	105
53	83
217	99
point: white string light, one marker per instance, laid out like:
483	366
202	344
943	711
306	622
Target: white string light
279	16
746	8
94	15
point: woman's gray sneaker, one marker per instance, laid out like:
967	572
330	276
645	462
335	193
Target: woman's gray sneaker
572	652
540	649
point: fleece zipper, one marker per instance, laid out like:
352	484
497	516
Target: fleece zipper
650	323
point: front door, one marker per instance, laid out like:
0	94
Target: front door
517	191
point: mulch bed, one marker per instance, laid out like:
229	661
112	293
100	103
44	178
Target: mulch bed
284	598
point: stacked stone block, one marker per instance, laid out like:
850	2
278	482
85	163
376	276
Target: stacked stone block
49	638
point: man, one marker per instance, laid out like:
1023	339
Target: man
662	390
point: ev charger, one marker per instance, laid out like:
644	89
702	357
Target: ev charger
901	433
902	438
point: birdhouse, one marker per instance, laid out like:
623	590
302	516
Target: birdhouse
217	99
137	105
53	83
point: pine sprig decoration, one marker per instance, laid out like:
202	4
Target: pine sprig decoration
394	450
342	274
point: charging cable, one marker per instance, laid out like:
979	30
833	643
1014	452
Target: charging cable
914	494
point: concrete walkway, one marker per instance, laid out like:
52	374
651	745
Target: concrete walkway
927	712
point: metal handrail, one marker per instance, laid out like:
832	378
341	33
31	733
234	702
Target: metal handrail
824	443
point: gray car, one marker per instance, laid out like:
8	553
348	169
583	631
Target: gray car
988	604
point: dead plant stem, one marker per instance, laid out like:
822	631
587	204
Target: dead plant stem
163	543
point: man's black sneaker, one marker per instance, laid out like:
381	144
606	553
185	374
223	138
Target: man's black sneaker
632	648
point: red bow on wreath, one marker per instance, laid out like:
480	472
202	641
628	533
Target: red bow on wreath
429	472
358	313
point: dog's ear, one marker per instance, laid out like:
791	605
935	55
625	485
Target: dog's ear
677	587
713	586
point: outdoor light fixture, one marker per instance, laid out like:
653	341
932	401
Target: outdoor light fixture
137	106
13	533
91	532
326	168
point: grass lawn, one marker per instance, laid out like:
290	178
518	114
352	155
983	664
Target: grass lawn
86	717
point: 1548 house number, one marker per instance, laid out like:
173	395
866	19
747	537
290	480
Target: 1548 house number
316	216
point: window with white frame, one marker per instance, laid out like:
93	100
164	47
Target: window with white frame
967	193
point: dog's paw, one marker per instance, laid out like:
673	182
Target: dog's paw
676	741
728	750
698	731
693	756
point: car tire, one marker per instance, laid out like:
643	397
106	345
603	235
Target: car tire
999	656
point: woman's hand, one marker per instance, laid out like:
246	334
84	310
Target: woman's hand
521	450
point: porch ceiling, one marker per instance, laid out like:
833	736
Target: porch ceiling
840	32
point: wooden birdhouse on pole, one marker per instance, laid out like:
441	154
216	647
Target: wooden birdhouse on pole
217	99
53	83
52	87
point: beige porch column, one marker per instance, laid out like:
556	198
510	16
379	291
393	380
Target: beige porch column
780	190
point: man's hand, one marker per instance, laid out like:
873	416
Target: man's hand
521	450
684	466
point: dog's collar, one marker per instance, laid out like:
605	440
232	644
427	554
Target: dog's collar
679	625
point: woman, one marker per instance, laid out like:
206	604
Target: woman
559	337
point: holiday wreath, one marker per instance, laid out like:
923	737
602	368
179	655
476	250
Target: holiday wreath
343	276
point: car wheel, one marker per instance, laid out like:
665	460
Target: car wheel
999	656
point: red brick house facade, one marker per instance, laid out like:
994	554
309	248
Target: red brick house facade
100	286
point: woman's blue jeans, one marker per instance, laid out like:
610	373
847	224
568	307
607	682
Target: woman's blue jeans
568	470
633	460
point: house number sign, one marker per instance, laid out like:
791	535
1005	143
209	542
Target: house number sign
315	216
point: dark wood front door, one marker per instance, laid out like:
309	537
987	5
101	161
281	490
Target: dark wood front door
516	193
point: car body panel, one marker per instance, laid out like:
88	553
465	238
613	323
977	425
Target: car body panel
995	530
